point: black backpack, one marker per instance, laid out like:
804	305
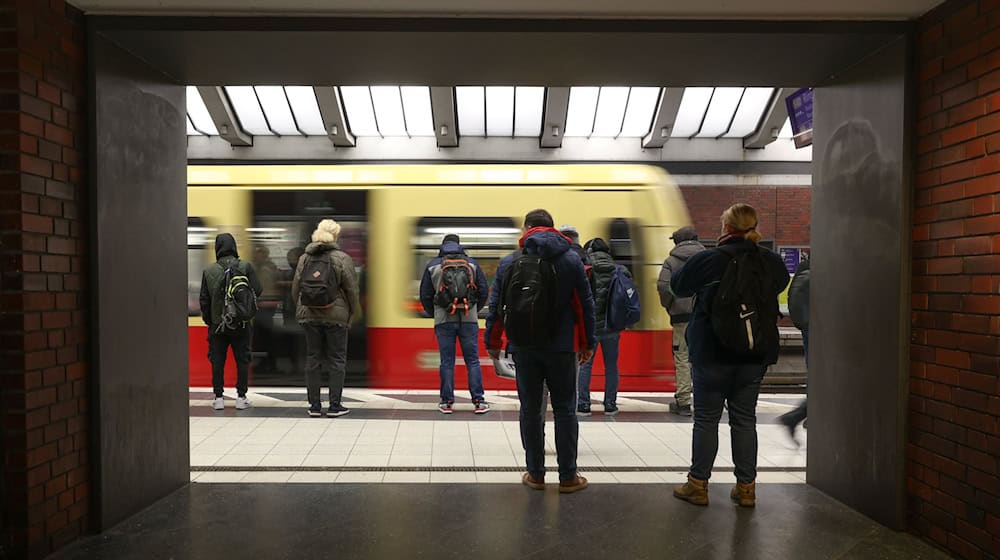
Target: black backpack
744	312
529	300
458	291
239	299
318	287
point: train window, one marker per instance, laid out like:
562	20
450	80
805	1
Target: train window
625	244
487	240
199	245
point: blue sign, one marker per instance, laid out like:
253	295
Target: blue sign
800	110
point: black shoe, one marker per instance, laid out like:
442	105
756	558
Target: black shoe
790	425
315	411
684	410
337	409
610	409
583	410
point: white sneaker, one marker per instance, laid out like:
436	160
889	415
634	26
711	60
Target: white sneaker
218	404
243	403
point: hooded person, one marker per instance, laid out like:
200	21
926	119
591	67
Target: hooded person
325	291
602	271
222	335
574	238
453	289
561	326
686	245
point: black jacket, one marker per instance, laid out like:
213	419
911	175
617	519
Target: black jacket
700	277
212	297
798	296
602	272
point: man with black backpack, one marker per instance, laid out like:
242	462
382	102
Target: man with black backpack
541	299
325	290
229	292
733	338
604	273
453	290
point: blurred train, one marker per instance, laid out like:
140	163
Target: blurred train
393	219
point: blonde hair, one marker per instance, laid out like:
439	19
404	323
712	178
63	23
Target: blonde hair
741	219
328	231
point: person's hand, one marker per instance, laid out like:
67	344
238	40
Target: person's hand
585	355
494	354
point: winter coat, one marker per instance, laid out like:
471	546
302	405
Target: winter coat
798	297
602	272
582	253
678	308
347	307
213	292
574	324
430	283
701	276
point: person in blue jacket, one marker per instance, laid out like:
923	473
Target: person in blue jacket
450	325
554	362
720	376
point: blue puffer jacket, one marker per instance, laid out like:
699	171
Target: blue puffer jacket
701	276
575	323
431	283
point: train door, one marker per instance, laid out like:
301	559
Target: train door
283	222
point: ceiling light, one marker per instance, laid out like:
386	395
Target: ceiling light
639	114
610	111
248	111
692	111
201	120
720	112
752	107
191	131
528	108
306	109
389	110
359	110
471	104
277	110
500	111
581	110
417	110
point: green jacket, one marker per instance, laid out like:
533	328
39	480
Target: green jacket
345	308
213	296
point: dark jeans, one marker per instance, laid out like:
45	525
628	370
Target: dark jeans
737	386
535	370
609	348
326	349
799	414
218	345
467	334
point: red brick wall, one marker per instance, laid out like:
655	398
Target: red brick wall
954	448
783	211
43	373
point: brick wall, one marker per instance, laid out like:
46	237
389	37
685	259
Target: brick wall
43	373
954	441
783	211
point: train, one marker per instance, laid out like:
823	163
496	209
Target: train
393	218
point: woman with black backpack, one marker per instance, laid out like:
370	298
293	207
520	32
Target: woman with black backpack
732	339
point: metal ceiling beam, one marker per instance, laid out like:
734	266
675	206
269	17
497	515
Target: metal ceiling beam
554	116
443	111
223	116
331	109
771	123
666	115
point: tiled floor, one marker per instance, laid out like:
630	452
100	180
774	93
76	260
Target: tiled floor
651	447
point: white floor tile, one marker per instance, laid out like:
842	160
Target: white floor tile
316	460
498	477
367	461
239	461
409	460
282	461
451	461
779	478
599	477
496	461
204	460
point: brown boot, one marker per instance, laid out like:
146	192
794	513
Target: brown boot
575	485
532	482
745	495
693	491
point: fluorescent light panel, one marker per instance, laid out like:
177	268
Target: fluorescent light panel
755	101
528	108
581	110
389	110
306	109
610	111
277	110
786	131
639	113
471	104
500	111
694	103
248	110
190	128
417	110
201	120
720	112
359	110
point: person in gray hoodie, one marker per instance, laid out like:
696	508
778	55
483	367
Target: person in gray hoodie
326	325
686	245
452	290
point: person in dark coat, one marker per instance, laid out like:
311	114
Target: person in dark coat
220	339
798	308
461	325
722	377
552	363
574	238
686	245
602	271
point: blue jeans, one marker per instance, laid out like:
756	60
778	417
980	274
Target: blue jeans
739	386
557	370
609	346
468	336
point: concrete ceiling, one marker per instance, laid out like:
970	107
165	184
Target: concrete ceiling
661	9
